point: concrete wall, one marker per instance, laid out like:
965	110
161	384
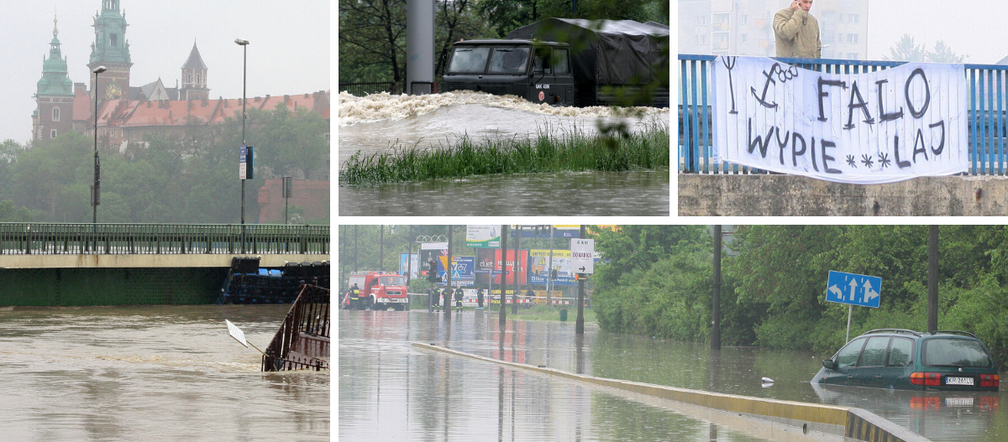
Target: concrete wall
787	195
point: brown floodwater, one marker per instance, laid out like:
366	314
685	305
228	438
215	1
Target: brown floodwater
152	373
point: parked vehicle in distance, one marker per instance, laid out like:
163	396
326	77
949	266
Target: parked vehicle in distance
910	360
378	291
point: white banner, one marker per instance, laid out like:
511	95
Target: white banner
868	128
483	236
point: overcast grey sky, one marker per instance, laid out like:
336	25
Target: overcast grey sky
289	50
975	28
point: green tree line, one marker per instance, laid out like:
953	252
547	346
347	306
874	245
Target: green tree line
372	33
185	177
657	281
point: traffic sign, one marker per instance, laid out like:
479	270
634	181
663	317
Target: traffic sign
854	289
582	255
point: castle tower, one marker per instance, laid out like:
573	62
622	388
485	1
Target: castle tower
194	81
111	50
54	95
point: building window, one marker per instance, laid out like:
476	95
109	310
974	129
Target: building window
52	133
743	19
852	55
198	79
701	20
55	114
852	38
854	18
742	38
114	40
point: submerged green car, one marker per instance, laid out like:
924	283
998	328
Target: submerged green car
910	360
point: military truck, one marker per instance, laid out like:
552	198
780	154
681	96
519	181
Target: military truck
568	62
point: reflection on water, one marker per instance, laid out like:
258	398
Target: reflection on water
151	373
636	193
418	395
390	391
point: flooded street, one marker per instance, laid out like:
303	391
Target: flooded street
384	123
388	389
636	193
152	373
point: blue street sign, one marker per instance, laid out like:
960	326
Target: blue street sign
854	289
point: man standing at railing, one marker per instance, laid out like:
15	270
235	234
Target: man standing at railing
797	31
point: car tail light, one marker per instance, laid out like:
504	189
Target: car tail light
990	380
928	379
925	403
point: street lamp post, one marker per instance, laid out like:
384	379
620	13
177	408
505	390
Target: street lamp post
244	45
96	188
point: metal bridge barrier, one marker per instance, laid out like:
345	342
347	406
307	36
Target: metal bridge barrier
139	239
986	123
303	339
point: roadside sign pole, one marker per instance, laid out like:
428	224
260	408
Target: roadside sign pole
853	289
850	310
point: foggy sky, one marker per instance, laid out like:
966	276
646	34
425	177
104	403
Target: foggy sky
972	28
288	53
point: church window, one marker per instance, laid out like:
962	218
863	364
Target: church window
55	114
52	133
198	78
114	40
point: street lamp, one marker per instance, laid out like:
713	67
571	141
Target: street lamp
96	188
244	45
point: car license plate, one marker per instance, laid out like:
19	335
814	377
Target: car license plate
957	380
958	402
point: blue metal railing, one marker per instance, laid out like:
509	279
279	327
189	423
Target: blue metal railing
132	239
987	108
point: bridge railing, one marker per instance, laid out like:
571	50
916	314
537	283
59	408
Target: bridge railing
131	239
987	107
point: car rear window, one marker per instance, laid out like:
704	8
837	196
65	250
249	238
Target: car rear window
954	353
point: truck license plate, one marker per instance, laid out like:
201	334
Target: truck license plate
956	380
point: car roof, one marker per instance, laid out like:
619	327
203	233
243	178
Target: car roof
899	331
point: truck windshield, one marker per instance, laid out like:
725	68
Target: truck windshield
508	60
955	353
468	59
392	281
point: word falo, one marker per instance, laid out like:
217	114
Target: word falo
865	128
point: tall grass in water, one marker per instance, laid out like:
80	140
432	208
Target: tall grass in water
546	152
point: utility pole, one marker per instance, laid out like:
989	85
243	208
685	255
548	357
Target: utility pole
715	343
932	317
448	274
517	267
503	311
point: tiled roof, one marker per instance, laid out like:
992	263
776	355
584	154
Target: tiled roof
134	113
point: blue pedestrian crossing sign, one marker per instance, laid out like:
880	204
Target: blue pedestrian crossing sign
854	289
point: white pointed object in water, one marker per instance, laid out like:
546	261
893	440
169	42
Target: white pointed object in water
767	382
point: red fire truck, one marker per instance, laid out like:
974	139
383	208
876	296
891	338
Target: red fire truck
377	291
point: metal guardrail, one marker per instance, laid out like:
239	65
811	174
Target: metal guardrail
303	338
987	112
132	239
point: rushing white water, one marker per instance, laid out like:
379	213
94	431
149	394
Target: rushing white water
383	122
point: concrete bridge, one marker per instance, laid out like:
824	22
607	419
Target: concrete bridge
45	264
